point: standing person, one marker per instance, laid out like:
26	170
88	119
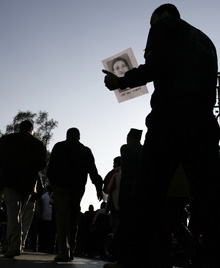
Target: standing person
182	63
22	156
130	156
46	240
69	165
29	212
111	188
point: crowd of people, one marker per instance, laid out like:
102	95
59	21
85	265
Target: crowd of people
94	228
150	184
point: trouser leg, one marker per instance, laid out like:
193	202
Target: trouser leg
62	208
157	167
15	202
26	220
74	220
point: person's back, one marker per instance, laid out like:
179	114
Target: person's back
71	162
185	72
130	156
23	156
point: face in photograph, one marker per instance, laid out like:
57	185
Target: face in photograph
120	67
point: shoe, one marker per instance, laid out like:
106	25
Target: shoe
113	265
12	254
62	259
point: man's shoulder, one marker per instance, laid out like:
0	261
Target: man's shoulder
9	136
12	137
76	145
36	140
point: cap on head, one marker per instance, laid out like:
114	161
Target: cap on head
135	133
26	125
73	133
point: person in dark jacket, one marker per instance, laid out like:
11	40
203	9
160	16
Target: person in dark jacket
69	165
22	156
182	62
130	156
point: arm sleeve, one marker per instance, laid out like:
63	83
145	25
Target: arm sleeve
93	172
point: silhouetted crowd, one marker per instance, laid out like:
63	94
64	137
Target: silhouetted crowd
95	238
94	229
163	196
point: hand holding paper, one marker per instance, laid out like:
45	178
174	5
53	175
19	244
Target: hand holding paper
115	67
111	80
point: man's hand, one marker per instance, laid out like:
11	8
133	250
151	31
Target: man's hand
111	80
100	195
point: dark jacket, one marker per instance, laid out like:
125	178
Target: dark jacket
182	63
22	156
69	165
130	156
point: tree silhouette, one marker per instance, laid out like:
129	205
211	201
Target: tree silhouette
43	126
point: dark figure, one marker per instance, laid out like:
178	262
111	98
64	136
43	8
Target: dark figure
70	163
29	212
130	156
111	188
22	156
101	228
47	231
83	238
33	234
87	234
182	63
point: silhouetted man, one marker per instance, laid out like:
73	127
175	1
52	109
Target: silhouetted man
22	156
182	63
70	163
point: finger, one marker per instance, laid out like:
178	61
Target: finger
106	72
106	79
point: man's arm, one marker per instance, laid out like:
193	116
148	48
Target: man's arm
94	176
157	44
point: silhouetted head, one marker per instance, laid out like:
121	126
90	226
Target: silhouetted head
164	11
103	205
73	133
117	162
26	125
134	135
91	208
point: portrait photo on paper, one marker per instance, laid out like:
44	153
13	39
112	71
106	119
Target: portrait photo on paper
119	64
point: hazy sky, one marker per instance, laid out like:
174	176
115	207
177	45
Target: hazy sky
51	54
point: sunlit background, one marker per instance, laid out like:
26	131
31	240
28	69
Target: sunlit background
51	54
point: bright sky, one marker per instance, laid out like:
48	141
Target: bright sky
51	54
